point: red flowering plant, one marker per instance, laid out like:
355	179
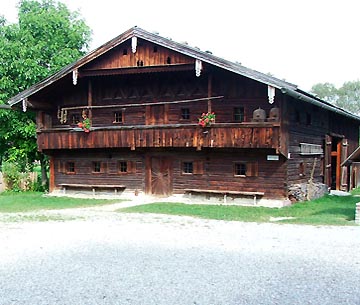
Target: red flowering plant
86	123
207	119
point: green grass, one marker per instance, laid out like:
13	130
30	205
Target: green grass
329	210
11	202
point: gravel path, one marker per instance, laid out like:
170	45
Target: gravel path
111	258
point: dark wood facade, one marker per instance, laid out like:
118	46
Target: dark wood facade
144	106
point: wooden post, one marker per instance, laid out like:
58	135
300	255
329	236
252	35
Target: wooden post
52	174
338	167
209	91
90	98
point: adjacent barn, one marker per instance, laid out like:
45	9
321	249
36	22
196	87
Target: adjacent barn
145	114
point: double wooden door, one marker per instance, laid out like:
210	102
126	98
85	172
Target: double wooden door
159	176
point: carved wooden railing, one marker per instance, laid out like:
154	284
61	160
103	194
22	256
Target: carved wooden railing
226	135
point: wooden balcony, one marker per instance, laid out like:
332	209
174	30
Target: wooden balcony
219	135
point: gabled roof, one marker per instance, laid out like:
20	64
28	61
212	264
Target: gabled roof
285	87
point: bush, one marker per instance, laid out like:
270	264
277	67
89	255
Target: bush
12	176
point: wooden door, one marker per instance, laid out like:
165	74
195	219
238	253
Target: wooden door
327	161
160	176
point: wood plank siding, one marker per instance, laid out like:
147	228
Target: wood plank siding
215	170
249	135
144	95
147	54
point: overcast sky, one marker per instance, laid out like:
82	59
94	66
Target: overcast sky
304	42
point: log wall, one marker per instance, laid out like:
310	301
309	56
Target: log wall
217	172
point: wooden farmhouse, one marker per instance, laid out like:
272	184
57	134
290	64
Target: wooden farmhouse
138	99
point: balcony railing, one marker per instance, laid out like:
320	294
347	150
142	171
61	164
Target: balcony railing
219	135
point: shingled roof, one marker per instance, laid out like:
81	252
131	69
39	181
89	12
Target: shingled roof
286	87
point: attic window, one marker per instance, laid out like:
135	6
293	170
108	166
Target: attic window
239	114
118	117
125	52
185	113
155	49
168	60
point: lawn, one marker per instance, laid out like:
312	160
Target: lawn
329	210
11	202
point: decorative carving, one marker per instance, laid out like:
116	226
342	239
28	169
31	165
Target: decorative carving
271	94
198	67
24	104
259	115
274	115
75	75
133	44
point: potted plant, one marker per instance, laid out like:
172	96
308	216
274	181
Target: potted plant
86	123
207	119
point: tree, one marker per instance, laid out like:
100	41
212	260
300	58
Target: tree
46	38
346	97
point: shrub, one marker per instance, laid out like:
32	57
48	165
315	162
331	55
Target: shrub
12	176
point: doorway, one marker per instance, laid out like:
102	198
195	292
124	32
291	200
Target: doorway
335	154
159	176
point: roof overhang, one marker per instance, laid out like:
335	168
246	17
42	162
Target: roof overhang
286	87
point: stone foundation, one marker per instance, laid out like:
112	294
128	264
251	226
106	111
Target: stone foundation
305	191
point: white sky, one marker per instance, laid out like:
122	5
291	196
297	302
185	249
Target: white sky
302	41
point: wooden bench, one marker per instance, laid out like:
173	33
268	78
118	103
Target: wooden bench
92	186
225	193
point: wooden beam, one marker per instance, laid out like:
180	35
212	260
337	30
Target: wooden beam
137	70
142	104
90	98
52	174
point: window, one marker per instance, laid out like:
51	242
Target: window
193	167
125	52
240	169
123	167
239	114
96	167
118	117
188	167
155	49
185	113
168	60
70	167
245	169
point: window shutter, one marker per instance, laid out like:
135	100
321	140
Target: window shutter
251	169
198	167
104	167
62	167
131	167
